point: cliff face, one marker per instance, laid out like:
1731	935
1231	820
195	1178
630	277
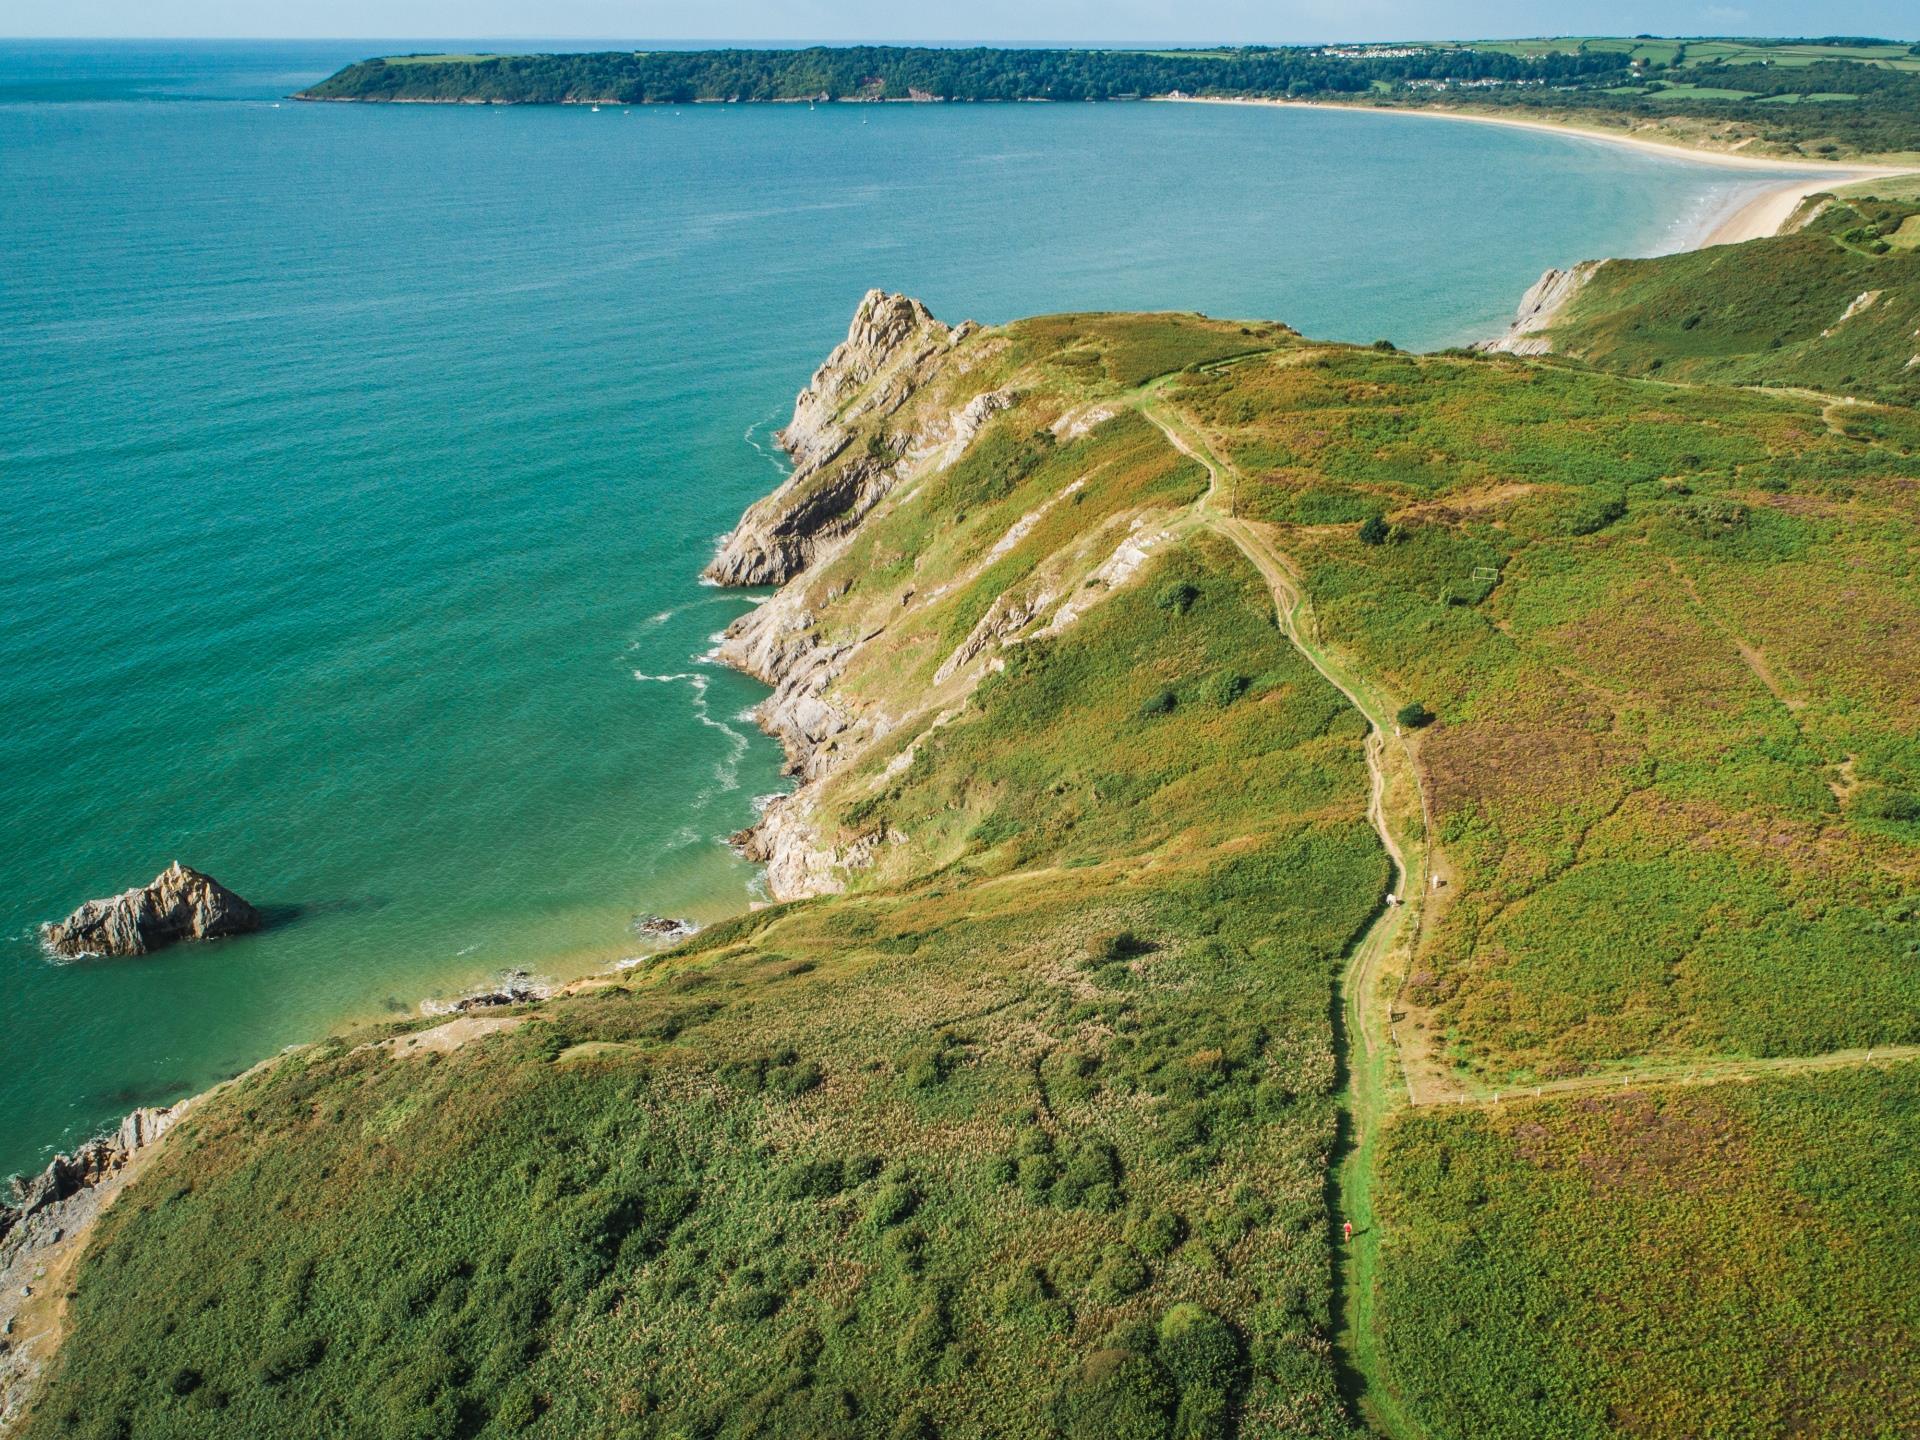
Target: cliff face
893	348
870	375
1539	308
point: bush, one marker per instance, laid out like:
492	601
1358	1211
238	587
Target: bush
893	1203
1114	945
1162	702
1883	803
1199	1348
1228	688
1178	597
1115	1395
1374	530
1121	1273
1413	716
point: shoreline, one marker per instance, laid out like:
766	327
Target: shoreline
1753	217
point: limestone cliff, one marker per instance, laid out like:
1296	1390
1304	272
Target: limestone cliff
1539	308
893	347
869	376
180	904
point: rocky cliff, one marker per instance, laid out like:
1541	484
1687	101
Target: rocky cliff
1539	308
869	375
180	904
893	348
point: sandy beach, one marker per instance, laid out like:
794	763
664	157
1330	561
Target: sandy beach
1751	216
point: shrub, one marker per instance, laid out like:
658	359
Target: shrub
1115	1395
1113	945
893	1203
1121	1273
1413	716
1884	803
1374	530
812	1180
1178	597
1162	702
1199	1348
1156	1233
1229	687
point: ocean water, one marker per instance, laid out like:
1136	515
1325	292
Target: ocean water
357	464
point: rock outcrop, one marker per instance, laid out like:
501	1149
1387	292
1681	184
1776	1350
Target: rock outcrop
872	373
67	1175
180	904
1539	308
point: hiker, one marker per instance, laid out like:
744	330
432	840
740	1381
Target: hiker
1348	1229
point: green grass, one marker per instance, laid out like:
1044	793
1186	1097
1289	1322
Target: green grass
1032	1129
1770	312
1575	564
1701	1262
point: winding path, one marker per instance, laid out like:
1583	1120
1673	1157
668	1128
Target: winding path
1377	965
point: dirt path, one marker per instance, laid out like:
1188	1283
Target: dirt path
1364	1037
1389	1066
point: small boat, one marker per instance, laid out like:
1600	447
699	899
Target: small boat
596	109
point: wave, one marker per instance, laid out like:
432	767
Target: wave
774	457
726	770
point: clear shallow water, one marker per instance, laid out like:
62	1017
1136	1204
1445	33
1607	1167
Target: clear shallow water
356	465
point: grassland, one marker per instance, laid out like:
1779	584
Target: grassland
1047	1123
1832	307
1603	1266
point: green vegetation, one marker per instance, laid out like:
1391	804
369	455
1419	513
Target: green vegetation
1833	307
1602	1266
1811	98
1657	694
1047	1121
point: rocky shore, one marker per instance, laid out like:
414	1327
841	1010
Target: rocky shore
43	1227
1539	308
892	348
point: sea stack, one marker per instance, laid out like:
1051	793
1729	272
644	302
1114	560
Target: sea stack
180	904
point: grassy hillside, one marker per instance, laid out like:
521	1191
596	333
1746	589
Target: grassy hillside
1671	636
1834	306
1047	1121
1604	1266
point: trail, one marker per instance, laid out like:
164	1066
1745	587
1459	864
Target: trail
1364	1038
1385	1070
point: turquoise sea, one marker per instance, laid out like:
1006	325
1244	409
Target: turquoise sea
357	464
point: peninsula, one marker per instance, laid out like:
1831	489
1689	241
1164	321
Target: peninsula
1817	100
1332	891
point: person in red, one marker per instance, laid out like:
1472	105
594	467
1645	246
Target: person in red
1348	1229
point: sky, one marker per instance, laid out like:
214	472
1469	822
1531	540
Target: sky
1195	21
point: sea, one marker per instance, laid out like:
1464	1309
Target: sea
357	466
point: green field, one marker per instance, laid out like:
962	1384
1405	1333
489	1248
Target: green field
1719	315
1604	1266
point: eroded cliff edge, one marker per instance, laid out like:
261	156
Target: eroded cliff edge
892	349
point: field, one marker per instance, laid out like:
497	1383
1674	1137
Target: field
1888	54
1707	1261
1667	745
1795	320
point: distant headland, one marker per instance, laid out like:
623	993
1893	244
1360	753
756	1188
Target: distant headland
1818	100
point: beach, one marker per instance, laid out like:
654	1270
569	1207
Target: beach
1751	216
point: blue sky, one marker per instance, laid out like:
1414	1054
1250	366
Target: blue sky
1276	21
